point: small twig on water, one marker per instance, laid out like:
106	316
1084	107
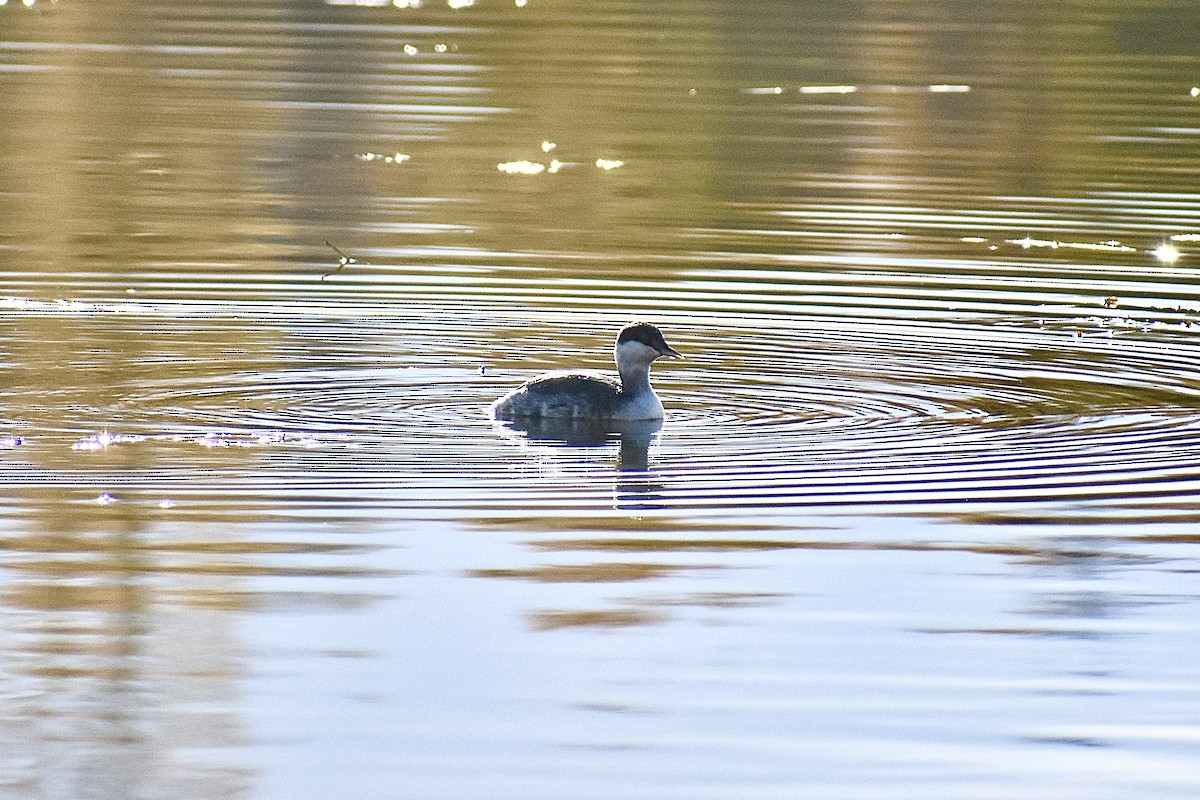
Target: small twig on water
344	258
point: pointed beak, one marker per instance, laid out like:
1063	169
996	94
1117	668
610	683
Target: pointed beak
669	353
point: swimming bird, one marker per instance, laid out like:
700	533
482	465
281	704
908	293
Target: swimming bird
576	395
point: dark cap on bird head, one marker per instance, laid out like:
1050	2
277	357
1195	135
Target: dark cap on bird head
647	334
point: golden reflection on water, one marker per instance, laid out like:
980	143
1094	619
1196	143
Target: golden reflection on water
596	618
85	558
602	572
121	637
647	610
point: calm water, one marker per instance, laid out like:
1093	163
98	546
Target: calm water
923	519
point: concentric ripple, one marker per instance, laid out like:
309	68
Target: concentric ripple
787	413
936	414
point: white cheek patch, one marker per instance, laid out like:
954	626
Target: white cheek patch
636	351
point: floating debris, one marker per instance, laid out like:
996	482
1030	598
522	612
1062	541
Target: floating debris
106	499
949	88
763	90
343	259
166	503
547	146
609	164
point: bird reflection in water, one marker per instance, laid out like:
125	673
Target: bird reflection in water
632	488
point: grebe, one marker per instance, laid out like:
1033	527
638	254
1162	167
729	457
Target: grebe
573	395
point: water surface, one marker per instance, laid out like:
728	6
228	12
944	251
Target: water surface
921	520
